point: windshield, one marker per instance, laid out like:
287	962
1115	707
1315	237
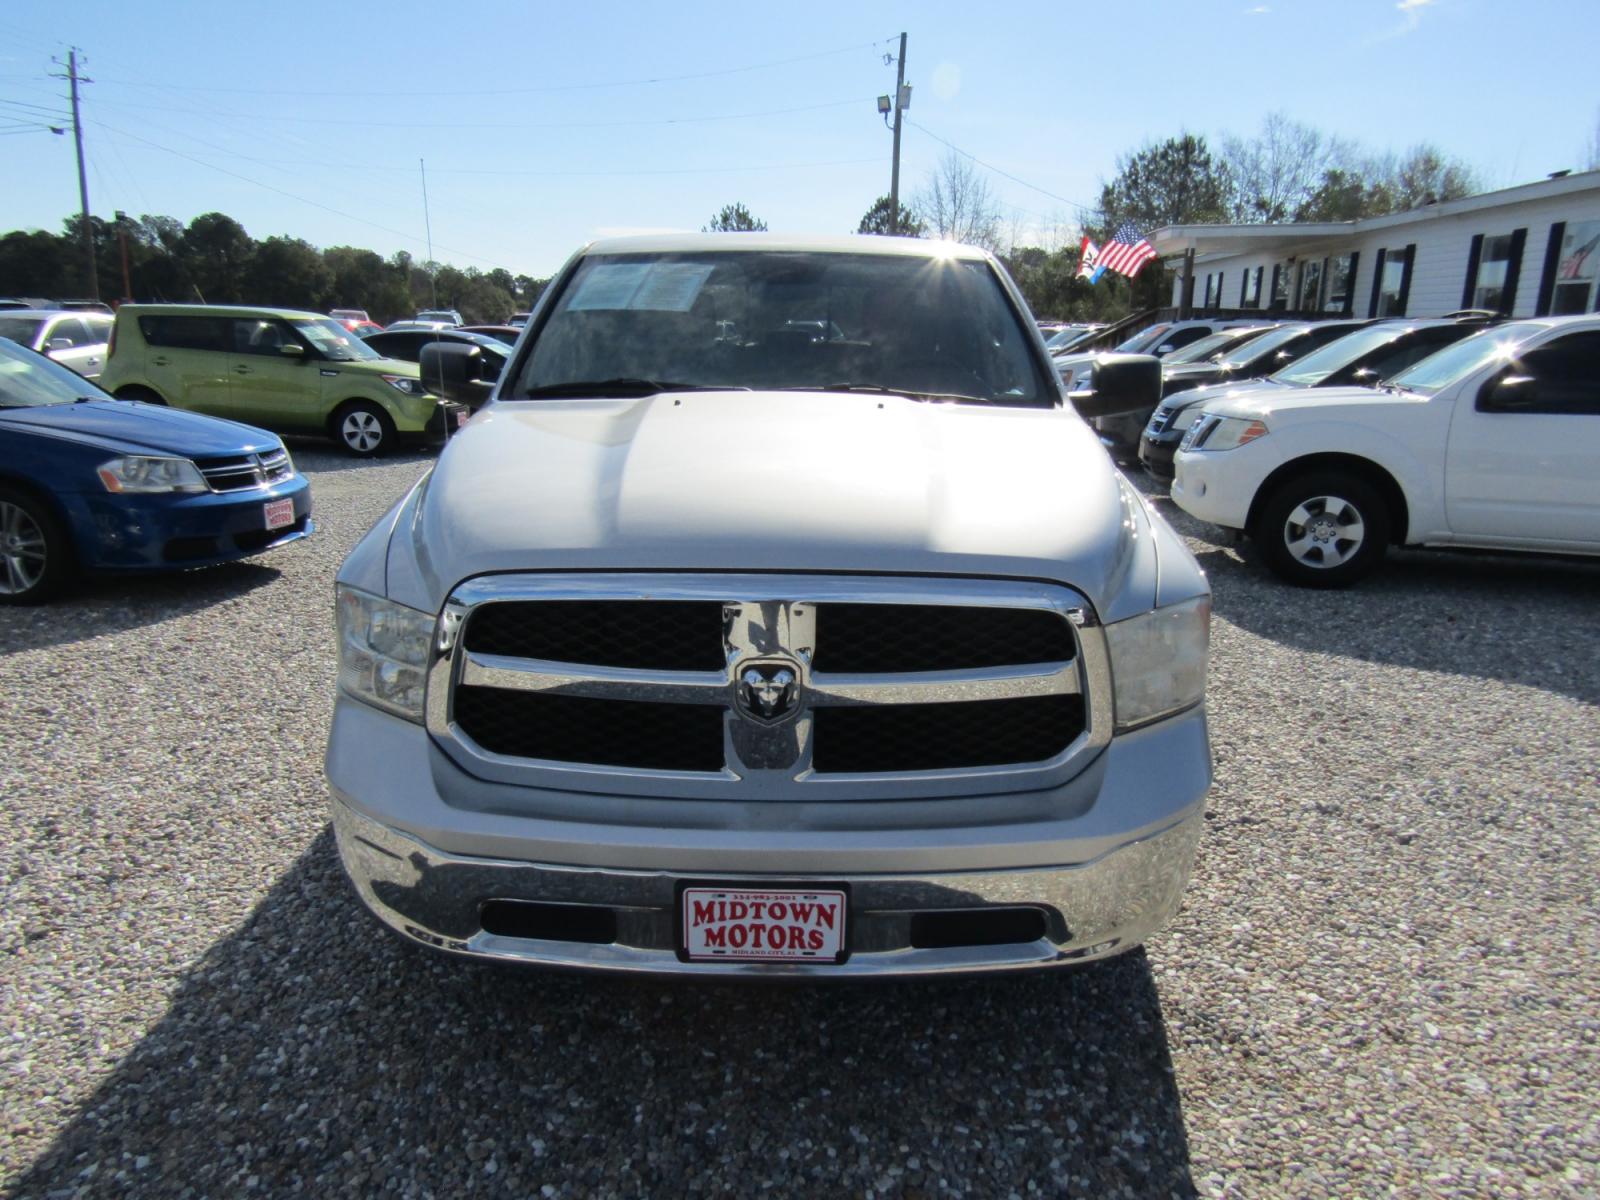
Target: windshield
1253	350
1336	355
334	341
1145	337
20	329
1439	371
29	380
437	315
1203	349
801	320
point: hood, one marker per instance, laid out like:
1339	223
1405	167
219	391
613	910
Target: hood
1203	371
127	426
1264	403
776	481
1207	393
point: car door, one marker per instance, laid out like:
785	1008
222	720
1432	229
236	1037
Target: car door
272	386
1523	461
71	342
188	360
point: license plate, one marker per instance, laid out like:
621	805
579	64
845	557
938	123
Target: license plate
743	925
462	417
279	513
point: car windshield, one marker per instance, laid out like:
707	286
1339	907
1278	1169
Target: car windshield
926	326
1203	349
29	380
334	341
1253	350
20	329
1439	371
1336	355
433	315
1143	339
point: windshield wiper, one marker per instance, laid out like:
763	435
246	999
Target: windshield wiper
625	386
876	389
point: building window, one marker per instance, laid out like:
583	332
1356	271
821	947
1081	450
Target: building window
1391	283
1310	285
1488	288
1576	269
1281	273
1340	269
1250	289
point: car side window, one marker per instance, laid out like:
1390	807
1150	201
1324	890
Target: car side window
1560	377
253	335
1180	338
188	333
69	329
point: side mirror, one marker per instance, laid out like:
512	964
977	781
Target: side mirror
456	372
1165	348
293	350
55	344
1119	383
1509	393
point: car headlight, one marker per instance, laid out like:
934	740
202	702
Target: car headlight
406	384
1158	661
1222	433
141	475
383	652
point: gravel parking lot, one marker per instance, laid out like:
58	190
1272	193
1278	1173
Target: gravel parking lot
1383	980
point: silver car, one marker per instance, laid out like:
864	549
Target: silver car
723	653
74	339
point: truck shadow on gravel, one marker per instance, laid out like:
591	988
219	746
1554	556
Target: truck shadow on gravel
310	1049
112	603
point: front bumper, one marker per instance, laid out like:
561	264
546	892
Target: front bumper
1105	858
1155	453
160	532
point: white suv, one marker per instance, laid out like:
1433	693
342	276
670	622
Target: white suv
1491	443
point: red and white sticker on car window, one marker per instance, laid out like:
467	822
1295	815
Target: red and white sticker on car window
734	925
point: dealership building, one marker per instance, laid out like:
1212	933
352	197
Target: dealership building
1524	251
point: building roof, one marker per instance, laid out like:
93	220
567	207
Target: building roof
1171	240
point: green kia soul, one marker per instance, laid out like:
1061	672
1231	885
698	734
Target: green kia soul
295	372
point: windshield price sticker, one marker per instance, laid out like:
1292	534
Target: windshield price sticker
650	287
723	925
279	513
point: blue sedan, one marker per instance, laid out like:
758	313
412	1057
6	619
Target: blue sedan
90	484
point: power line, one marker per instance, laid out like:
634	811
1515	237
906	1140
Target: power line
1082	208
321	120
560	87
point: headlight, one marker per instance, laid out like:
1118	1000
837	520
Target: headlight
1222	433
1158	661
404	383
383	652
138	474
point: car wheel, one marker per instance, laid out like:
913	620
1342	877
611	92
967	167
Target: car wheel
35	554
1326	529
363	428
143	394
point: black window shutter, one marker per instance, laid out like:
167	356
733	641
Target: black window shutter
1405	279
1377	282
1220	274
1472	270
1272	297
1244	282
1350	282
1547	277
1508	294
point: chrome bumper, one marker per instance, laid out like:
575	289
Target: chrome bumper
1093	909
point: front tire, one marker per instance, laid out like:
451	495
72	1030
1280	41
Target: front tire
35	552
363	428
1327	529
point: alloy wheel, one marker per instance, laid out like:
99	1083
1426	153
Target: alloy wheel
1324	531
22	550
362	431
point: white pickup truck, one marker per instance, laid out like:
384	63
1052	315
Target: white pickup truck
1492	443
777	615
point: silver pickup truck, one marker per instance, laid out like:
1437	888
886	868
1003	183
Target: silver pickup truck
777	616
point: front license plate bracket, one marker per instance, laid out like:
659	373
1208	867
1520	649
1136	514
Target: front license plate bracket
773	924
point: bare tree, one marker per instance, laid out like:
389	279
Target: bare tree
1275	173
958	204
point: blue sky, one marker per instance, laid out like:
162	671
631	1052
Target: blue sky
544	125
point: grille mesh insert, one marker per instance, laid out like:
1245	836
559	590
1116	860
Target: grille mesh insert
931	737
660	635
580	729
891	638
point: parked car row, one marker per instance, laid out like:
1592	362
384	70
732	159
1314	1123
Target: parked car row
75	338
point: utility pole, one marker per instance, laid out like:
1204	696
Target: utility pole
894	179
433	276
75	79
122	242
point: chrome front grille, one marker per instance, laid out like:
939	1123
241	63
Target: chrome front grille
246	472
774	687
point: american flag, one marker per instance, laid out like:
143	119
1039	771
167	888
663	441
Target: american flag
1127	251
